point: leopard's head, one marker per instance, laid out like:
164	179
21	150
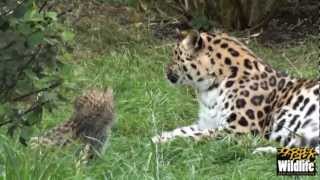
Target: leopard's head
189	65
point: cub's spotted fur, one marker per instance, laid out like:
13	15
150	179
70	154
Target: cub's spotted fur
93	116
239	93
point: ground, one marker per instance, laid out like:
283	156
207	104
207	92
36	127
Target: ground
146	104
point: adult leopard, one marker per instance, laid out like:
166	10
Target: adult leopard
240	93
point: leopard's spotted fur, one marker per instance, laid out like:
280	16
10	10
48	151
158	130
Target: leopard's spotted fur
240	93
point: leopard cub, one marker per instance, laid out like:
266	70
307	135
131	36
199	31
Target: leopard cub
90	123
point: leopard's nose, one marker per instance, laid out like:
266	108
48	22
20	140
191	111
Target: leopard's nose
173	77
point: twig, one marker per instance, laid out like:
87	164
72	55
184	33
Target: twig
8	45
264	20
291	64
32	58
32	108
186	5
21	69
43	6
52	86
10	11
242	16
64	12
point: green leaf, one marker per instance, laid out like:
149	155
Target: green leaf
35	39
30	14
3	109
67	36
25	133
52	15
31	75
21	10
24	28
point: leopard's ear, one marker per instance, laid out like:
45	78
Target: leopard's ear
192	40
181	34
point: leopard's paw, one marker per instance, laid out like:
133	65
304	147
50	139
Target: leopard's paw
265	150
164	137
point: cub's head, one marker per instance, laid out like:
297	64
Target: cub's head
95	106
189	64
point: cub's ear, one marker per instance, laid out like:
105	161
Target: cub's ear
192	40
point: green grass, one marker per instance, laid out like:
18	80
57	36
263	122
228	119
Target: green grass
146	104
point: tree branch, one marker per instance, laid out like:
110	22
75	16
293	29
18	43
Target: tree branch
12	10
32	108
52	86
4	123
43	6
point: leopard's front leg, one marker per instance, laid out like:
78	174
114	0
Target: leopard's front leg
212	118
178	132
187	131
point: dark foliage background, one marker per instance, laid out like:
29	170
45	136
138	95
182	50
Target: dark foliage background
32	44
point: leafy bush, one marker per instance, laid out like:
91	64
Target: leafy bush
231	14
31	43
242	14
